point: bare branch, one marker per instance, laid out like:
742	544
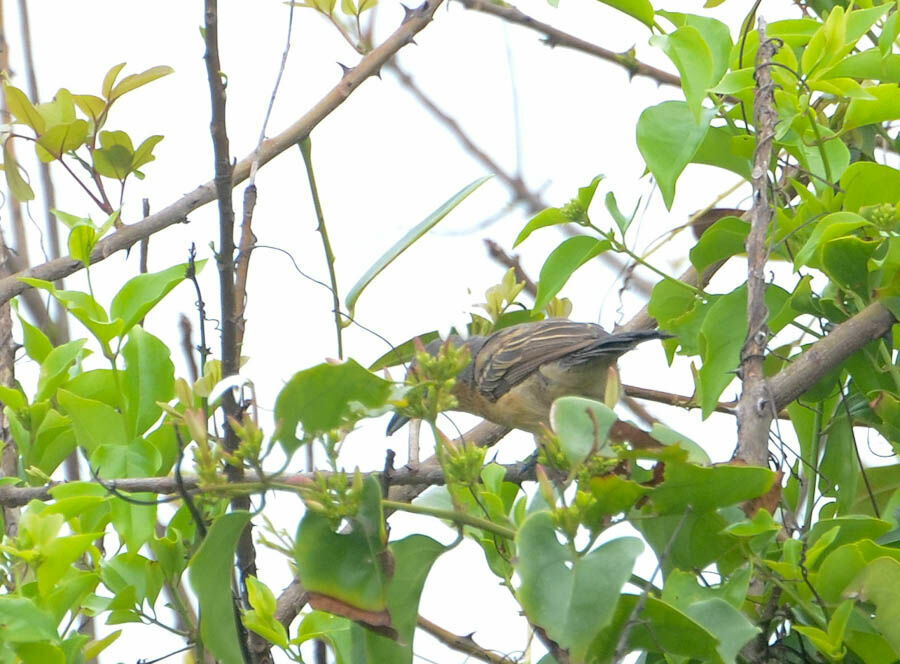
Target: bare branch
845	339
48	194
555	37
459	643
177	212
496	252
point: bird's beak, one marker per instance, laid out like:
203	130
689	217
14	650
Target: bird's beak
396	423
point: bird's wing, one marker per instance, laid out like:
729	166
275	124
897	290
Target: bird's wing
514	353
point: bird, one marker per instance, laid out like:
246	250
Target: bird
516	373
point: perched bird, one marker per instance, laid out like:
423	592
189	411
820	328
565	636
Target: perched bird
516	373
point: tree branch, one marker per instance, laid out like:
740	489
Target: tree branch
177	212
755	409
465	644
845	339
556	37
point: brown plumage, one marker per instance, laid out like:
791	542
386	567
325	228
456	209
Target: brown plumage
516	373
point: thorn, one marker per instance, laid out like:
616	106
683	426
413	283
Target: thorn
377	73
344	69
412	41
408	13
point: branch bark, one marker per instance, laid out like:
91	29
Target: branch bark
755	408
555	37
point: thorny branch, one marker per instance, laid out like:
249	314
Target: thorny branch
555	37
755	408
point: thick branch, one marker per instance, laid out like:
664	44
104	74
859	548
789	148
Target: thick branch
755	410
556	37
845	339
178	211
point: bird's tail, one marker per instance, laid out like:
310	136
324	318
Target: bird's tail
613	345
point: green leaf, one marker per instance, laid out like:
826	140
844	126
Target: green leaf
723	239
691	56
885	107
731	627
866	183
323	398
612	206
91	105
549	217
826	229
141	293
55	367
845	261
722	334
37	344
113	162
61	139
58	555
110	79
614	495
135	524
19	188
134	81
144	153
95	423
570	597
562	262
687	486
149	378
715	34
878	585
586	194
53	441
581	435
668	136
347	569
139	458
210	573
40	653
717	149
642	10
13	398
22	108
85	308
407	241
21	621
82	240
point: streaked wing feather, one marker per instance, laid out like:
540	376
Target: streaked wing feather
513	354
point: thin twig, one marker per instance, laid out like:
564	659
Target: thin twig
306	150
262	132
465	644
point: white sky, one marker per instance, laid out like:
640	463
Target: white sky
382	164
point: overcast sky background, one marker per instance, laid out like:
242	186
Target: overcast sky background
382	164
